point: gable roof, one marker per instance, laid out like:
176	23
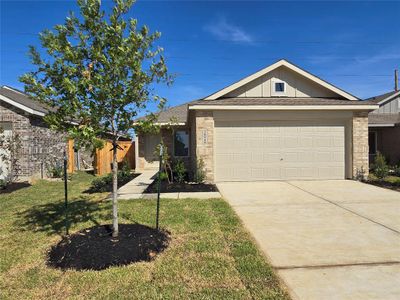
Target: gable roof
178	113
21	100
382	99
274	66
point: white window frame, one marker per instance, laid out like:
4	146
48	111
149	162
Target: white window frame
278	93
188	133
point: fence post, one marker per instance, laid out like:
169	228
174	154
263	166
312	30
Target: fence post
159	187
66	193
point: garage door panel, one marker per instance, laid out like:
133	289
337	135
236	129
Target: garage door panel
265	151
271	157
272	142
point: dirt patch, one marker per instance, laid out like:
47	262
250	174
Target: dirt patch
95	249
184	187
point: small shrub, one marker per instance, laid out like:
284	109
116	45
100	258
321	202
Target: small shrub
360	174
3	184
380	167
55	170
163	176
104	183
396	170
179	171
165	162
200	173
125	170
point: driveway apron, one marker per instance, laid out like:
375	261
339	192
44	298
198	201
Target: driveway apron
331	239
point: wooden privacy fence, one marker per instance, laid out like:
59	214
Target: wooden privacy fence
71	156
102	162
103	157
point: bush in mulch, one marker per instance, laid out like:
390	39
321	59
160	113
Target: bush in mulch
176	187
385	184
104	183
95	249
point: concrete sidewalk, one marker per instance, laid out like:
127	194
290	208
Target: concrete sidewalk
335	239
134	189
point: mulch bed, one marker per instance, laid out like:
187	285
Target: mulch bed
14	186
95	249
184	187
385	184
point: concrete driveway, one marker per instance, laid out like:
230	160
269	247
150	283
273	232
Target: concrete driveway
332	239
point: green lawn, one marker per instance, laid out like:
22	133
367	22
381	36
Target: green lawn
210	256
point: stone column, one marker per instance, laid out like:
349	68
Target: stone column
204	121
360	145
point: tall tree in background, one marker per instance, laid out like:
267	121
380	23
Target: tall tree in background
98	72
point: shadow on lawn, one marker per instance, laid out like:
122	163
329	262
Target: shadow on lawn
50	217
15	186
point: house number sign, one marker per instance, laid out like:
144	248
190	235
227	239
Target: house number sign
204	136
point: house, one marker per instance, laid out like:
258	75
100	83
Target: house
384	127
39	146
280	123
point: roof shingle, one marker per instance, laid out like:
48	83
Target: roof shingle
379	98
384	119
279	101
180	112
23	99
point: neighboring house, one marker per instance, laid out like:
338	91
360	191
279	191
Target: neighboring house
280	123
384	127
23	116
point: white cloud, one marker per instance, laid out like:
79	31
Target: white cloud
223	30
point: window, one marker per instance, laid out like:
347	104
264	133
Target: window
279	87
181	143
372	142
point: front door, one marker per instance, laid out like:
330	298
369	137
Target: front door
151	142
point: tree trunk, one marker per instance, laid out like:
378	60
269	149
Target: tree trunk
115	190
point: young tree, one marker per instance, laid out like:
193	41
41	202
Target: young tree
98	72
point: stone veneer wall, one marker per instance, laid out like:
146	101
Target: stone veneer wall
38	143
360	145
204	123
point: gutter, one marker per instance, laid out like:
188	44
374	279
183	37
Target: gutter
21	106
381	125
284	107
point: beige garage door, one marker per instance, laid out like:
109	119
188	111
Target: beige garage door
286	151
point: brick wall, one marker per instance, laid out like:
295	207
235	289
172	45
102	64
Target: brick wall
21	126
46	146
360	144
38	142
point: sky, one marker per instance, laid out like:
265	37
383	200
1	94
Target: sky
209	44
